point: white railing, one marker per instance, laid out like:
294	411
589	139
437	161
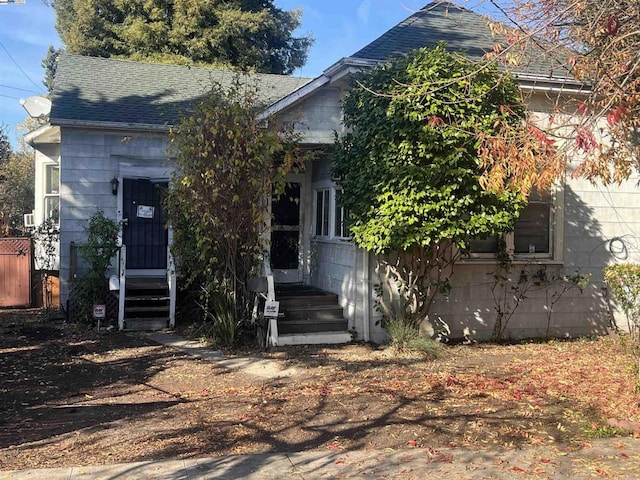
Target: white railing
122	292
272	329
171	281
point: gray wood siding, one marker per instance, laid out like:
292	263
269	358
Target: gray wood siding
316	118
89	160
333	269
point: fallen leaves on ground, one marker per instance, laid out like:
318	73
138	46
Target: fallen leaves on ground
71	397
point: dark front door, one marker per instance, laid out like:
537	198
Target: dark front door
144	232
285	235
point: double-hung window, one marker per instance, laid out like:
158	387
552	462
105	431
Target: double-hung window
323	210
331	216
341	229
532	236
52	192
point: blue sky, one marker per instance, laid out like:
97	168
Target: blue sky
340	28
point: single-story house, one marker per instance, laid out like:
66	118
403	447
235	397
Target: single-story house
105	146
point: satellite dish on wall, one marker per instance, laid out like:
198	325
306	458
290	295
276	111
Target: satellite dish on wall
36	106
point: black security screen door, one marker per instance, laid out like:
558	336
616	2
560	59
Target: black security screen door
144	232
285	229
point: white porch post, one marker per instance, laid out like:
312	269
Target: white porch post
123	276
171	280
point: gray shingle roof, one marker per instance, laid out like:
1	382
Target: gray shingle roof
103	90
463	31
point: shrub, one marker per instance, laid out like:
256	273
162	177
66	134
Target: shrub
623	281
221	322
406	337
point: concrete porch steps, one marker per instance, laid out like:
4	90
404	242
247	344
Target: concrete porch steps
310	316
146	305
318	338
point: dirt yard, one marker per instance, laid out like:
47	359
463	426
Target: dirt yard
69	396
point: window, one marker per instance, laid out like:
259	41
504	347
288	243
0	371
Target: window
532	235
330	214
52	193
323	208
340	215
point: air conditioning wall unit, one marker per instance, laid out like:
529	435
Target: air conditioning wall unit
29	220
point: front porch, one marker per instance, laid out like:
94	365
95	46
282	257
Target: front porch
309	315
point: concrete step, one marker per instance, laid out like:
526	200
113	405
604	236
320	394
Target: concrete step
307	301
316	312
314	338
146	298
145	324
146	283
147	309
312	326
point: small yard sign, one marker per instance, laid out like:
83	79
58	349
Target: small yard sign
271	309
99	312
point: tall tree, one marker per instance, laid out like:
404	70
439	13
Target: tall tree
411	172
50	65
5	146
595	42
16	186
225	170
249	34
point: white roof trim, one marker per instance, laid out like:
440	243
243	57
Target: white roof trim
32	137
293	97
335	71
346	65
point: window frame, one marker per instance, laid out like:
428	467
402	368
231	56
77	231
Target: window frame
330	192
54	194
340	213
555	247
322	215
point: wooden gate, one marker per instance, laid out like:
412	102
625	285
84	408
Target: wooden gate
15	272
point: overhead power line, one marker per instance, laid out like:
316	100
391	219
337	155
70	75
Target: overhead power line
16	64
8	96
17	88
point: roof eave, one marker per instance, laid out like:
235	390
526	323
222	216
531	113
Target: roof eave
338	70
146	127
566	85
44	134
293	97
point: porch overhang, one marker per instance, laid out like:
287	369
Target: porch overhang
44	135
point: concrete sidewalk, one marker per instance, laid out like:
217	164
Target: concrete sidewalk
608	458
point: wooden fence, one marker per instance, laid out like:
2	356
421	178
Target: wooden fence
15	272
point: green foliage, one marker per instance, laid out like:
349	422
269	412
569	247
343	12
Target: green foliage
410	168
101	244
510	288
596	430
623	281
5	146
226	168
406	337
220	317
411	172
46	238
50	65
17	174
97	252
249	34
